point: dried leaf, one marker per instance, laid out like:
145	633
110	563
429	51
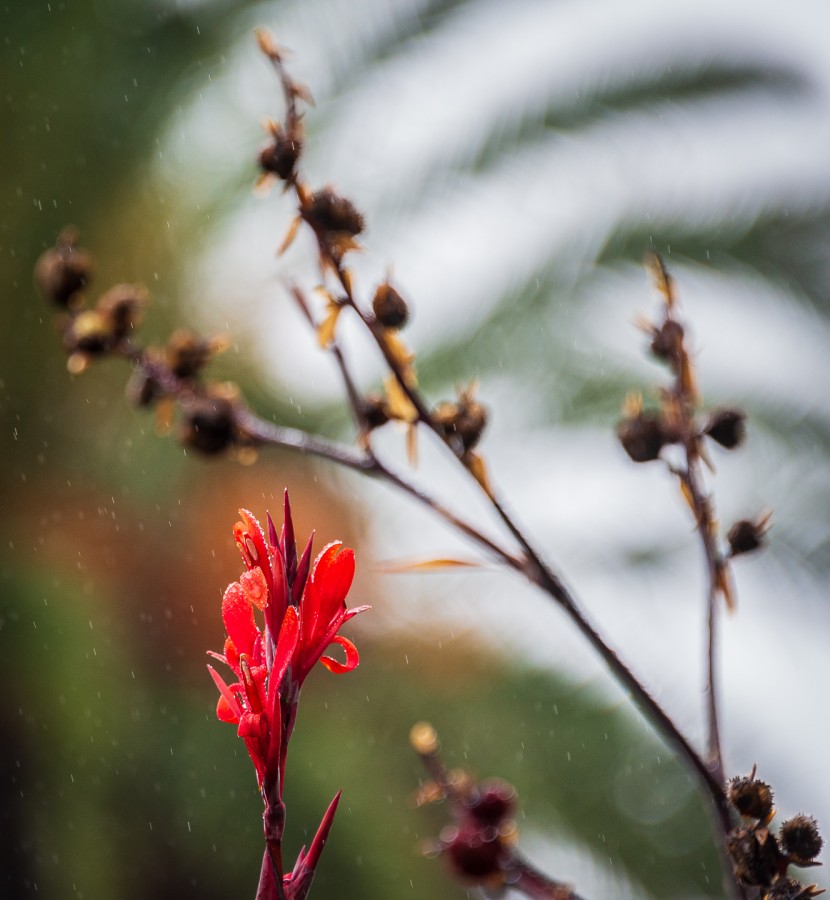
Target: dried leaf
632	405
426	565
412	444
662	280
478	469
688	496
402	356
288	240
399	406
723	583
326	329
688	381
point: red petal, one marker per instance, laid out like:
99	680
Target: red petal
251	541
255	587
352	657
326	590
238	616
231	705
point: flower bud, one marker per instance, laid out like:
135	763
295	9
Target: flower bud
750	797
389	307
727	427
142	390
62	270
800	838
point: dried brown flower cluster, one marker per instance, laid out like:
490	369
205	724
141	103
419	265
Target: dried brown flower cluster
759	857
481	843
163	377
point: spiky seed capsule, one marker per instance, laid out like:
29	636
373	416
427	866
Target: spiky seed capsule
280	155
62	270
667	341
800	838
789	889
208	425
750	797
642	436
389	307
745	536
755	855
727	427
329	212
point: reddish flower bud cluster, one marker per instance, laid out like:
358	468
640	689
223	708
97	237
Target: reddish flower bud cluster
303	607
759	857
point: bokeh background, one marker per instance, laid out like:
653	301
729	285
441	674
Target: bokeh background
514	162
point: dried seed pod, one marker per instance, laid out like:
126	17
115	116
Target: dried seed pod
727	427
463	420
122	305
186	354
208	424
667	341
800	838
143	389
330	214
63	270
643	435
389	307
790	889
281	154
373	411
746	535
477	855
750	797
89	332
755	855
492	801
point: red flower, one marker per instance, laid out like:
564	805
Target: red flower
303	612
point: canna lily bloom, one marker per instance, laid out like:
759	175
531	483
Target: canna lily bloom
304	607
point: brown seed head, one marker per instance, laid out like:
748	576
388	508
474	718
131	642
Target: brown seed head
389	307
492	802
800	838
476	854
642	435
327	212
186	354
143	389
62	270
123	306
667	341
790	889
208	424
89	332
374	411
281	154
751	798
462	421
727	427
746	535
755	855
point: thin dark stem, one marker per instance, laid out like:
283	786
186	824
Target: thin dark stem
534	884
